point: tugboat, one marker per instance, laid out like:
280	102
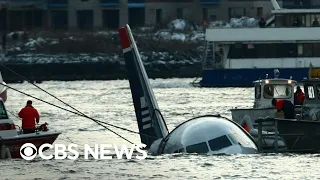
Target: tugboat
303	133
265	90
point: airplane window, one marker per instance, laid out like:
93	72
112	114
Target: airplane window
219	143
198	148
236	138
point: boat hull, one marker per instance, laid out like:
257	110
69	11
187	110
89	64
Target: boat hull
14	143
309	132
245	77
238	115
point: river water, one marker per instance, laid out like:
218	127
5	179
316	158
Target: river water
110	101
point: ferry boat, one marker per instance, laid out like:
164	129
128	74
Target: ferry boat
236	56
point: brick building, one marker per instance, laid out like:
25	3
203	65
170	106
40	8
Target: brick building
91	14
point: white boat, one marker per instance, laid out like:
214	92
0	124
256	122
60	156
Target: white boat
13	138
265	90
237	56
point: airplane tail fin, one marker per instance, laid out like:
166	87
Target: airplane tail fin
150	121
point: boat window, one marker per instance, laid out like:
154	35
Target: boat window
258	91
219	143
277	50
278	91
309	91
198	148
318	90
3	113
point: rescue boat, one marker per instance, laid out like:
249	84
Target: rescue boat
13	138
265	90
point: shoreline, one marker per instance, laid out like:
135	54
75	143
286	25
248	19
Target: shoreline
90	71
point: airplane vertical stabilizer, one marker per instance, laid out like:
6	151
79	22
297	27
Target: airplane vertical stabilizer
150	121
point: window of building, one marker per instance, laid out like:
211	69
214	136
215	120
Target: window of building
180	13
213	17
259	11
158	16
205	14
237	12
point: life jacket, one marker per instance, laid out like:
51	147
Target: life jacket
299	97
279	104
29	117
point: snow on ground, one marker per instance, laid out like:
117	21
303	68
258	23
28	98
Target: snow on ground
235	23
155	58
178	29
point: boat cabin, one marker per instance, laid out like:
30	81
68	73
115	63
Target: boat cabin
267	89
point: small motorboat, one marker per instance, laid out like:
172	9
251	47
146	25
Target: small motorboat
13	138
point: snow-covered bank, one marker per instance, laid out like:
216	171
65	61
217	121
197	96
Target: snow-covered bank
179	42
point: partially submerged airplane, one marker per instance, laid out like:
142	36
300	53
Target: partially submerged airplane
209	134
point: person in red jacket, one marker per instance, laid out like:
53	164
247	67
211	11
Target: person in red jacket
285	106
298	97
29	117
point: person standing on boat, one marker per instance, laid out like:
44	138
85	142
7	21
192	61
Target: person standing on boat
298	97
29	117
285	106
262	23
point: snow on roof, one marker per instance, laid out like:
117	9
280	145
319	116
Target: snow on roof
262	34
295	11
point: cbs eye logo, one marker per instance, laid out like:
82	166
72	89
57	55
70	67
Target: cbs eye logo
28	151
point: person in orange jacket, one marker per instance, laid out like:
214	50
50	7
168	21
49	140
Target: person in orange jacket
298	97
29	117
285	106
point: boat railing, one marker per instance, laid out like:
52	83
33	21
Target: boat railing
273	122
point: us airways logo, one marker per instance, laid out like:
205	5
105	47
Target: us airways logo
29	151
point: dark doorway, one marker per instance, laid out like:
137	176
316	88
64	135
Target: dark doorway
3	19
158	16
59	19
110	18
136	17
85	19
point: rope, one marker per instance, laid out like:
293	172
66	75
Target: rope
77	111
95	120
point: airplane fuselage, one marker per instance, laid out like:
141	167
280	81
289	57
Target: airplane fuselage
207	134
